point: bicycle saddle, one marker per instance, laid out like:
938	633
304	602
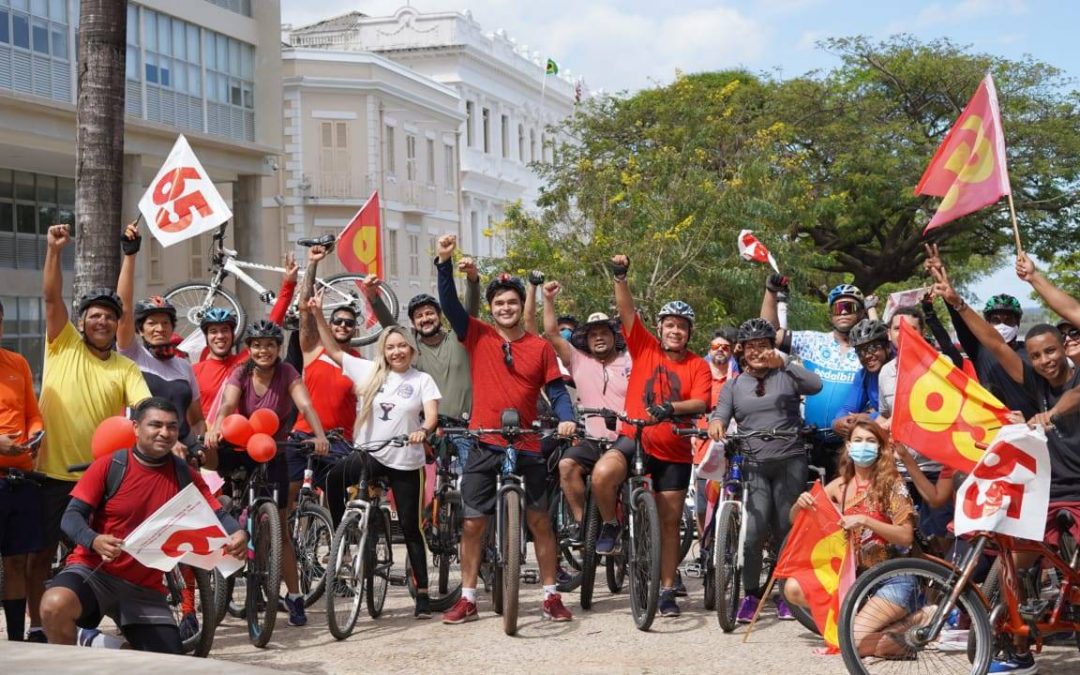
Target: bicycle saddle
325	240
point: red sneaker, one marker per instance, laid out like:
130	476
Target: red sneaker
463	611
555	610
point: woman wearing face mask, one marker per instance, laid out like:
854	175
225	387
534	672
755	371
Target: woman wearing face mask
877	513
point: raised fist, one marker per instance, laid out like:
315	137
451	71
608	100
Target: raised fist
551	289
446	246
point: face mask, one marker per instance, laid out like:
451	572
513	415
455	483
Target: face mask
863	453
566	333
1008	333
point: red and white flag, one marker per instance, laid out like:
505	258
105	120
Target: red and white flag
182	201
184	530
753	250
1008	491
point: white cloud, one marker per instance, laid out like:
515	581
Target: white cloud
947	15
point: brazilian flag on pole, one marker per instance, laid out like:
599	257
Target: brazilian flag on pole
552	67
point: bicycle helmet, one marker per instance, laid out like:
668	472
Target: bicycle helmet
155	304
676	308
756	329
101	297
264	329
419	301
867	331
846	291
568	319
505	282
217	315
1003	303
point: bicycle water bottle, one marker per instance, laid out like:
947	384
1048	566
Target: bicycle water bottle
509	460
309	477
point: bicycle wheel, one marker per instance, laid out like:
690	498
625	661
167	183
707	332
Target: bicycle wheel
264	575
562	523
193	299
588	553
345	576
236	595
312	531
644	561
444	543
200	583
615	568
343	290
892	639
222	589
725	564
687	531
511	555
708	584
380	560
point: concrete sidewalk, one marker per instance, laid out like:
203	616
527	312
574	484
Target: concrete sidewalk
19	657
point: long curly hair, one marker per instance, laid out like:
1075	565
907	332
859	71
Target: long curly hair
884	476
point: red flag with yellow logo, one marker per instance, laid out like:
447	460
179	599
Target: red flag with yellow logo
359	246
940	411
817	556
968	170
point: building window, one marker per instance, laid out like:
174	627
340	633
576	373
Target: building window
431	161
489	234
504	130
521	143
29	204
391	166
450	166
195	264
414	255
24	331
34	48
470	122
391	253
230	85
334	160
487	130
532	145
431	243
238	6
410	156
474	230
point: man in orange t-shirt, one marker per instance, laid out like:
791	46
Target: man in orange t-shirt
20	502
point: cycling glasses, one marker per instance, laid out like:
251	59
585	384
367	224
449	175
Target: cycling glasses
717	345
1070	334
342	321
867	350
508	356
841	307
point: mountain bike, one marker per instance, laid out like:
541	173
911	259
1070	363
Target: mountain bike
194	298
311	529
361	555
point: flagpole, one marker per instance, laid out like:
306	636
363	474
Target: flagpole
1016	228
761	603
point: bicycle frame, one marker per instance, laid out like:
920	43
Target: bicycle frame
1070	586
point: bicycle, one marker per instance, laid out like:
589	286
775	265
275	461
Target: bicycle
361	554
311	529
194	298
504	545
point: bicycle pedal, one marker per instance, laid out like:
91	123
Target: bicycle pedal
1033	610
693	570
397	580
530	577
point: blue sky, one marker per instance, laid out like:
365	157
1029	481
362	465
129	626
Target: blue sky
632	44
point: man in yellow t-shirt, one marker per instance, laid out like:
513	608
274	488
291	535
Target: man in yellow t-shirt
84	382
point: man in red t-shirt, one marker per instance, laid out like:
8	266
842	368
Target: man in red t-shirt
667	379
100	579
512	366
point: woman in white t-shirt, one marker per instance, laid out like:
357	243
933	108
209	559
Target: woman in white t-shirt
393	399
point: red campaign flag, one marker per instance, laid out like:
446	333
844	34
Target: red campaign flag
359	247
968	170
753	250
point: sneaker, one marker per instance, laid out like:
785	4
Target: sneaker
462	611
680	587
84	637
297	616
747	609
667	604
609	541
562	577
783	612
423	606
1023	664
555	610
189	626
37	636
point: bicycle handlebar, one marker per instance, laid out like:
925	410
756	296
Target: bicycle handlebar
375	446
638	423
17	475
694	432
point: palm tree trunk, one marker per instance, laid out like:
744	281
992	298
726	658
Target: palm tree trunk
99	142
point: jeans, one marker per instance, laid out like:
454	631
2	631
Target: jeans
772	488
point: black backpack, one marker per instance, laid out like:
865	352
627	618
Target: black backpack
118	469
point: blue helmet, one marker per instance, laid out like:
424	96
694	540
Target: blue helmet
846	291
218	315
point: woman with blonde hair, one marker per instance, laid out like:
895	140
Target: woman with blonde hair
393	399
877	513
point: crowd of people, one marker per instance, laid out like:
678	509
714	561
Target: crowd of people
837	387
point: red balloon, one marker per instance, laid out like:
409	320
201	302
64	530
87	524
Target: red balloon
261	447
236	430
114	433
265	421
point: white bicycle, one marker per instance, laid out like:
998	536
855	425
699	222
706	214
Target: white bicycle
194	298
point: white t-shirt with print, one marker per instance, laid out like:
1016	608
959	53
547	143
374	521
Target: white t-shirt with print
395	411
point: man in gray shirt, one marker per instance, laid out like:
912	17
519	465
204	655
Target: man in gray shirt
766	397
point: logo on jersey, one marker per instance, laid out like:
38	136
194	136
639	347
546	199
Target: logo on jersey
663	386
405	391
386	408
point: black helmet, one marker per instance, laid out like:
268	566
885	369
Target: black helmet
421	300
264	329
867	331
756	329
504	282
155	304
101	297
568	319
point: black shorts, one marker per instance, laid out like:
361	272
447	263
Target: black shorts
277	470
666	476
297	460
55	495
482	470
585	453
102	594
20	518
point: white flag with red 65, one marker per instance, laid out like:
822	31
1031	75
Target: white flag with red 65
182	201
1008	491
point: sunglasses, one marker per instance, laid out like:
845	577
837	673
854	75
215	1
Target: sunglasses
759	390
717	346
841	307
341	321
1070	334
508	356
867	350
